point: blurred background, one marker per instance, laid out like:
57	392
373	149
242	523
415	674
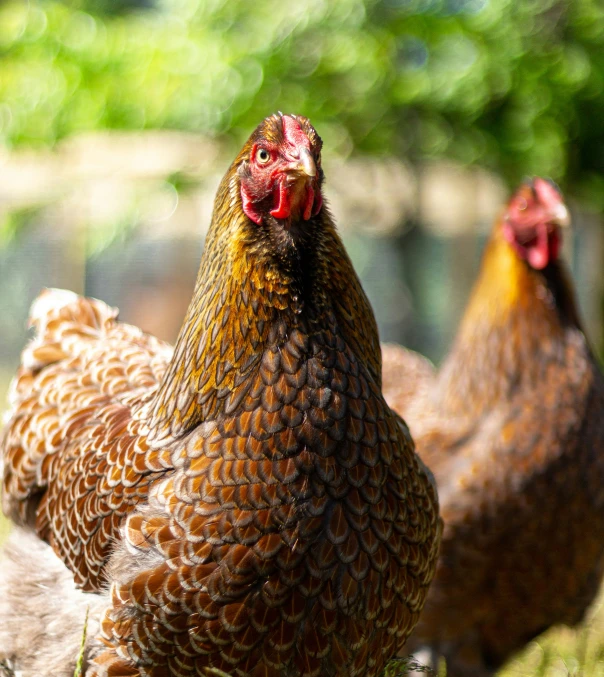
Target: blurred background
119	117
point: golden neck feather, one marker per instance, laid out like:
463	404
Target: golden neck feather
516	320
505	286
245	300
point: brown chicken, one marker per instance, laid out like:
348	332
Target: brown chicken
513	428
250	499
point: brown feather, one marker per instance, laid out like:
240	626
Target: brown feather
513	428
246	486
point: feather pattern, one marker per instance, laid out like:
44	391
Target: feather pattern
74	461
250	500
512	426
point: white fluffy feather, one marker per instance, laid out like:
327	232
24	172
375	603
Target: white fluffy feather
42	614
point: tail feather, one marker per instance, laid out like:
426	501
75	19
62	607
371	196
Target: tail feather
56	314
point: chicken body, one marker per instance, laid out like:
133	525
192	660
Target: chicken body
250	499
512	426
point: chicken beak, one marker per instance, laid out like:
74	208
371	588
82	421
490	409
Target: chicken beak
307	163
560	215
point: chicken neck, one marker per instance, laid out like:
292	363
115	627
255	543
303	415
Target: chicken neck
516	324
254	292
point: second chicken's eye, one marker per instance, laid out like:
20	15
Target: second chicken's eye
262	156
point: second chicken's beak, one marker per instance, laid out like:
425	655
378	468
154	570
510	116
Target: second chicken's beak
560	215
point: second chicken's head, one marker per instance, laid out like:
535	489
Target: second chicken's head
532	222
280	171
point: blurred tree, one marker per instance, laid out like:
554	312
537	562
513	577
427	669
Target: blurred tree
514	86
110	7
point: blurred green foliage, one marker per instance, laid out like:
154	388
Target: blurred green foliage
515	86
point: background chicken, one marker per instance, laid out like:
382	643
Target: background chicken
251	499
513	427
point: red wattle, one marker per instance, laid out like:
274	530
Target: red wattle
248	206
538	251
283	209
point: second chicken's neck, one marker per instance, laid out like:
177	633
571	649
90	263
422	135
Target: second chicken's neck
516	325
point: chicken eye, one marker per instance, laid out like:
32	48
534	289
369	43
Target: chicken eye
262	156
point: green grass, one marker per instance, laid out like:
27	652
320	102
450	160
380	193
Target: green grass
560	652
564	652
